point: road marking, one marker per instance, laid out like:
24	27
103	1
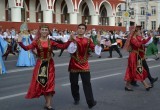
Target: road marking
66	64
11	96
63	64
67	84
101	77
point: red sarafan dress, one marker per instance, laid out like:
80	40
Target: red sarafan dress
44	49
138	51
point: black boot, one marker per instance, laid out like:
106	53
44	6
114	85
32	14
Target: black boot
120	55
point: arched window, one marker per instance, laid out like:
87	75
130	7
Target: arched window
65	15
8	11
39	15
86	18
104	20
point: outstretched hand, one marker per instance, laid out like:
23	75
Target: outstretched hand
72	37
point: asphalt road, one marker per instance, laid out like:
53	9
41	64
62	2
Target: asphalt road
107	84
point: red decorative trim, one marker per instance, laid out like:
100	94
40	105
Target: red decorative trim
19	4
49	7
16	4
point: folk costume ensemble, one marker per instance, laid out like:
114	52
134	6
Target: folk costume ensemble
44	72
135	70
3	48
26	58
79	66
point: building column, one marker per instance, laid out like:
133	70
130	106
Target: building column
73	18
112	21
58	18
158	15
47	16
16	14
95	20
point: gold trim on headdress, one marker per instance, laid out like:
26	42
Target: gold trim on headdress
44	26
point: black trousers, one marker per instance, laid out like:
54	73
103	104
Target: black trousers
115	47
86	86
145	65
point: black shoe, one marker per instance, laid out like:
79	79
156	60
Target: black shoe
93	104
128	89
120	56
154	80
76	102
109	56
148	88
48	108
99	57
134	84
157	58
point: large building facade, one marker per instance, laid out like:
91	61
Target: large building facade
94	12
145	13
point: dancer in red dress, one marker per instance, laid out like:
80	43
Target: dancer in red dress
43	80
136	70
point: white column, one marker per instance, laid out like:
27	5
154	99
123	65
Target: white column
47	16
158	15
58	18
94	20
73	18
16	14
112	21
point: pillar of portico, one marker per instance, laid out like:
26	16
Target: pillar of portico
112	21
16	14
158	3
47	16
73	18
95	19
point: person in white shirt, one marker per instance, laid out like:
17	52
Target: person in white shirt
63	38
112	38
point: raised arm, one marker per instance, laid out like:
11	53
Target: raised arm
139	41
144	41
28	47
61	46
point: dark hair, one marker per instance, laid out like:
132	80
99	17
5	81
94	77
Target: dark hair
111	32
83	25
44	26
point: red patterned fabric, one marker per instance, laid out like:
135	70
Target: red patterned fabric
137	44
81	64
35	89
